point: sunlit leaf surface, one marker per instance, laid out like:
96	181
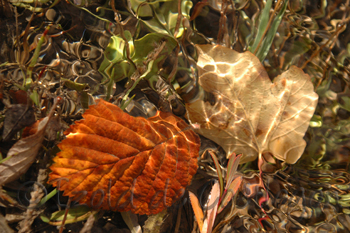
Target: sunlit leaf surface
114	161
249	113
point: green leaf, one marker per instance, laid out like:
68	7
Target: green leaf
145	45
73	85
35	97
316	150
28	80
346	104
116	67
4	64
84	99
265	47
75	214
316	121
264	19
47	197
153	224
324	90
115	58
142	8
163	16
298	48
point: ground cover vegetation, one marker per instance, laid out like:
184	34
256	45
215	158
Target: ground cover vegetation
174	116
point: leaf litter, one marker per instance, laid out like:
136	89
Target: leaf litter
23	153
17	117
65	62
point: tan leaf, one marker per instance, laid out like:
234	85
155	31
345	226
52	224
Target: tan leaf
131	221
250	114
22	154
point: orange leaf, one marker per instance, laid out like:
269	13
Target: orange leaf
114	161
198	212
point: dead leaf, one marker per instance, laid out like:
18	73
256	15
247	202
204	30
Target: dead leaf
154	223
54	126
114	161
131	221
89	224
17	117
4	227
23	153
19	97
197	209
212	207
249	114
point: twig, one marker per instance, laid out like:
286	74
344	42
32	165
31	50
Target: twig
335	34
324	45
32	212
178	221
179	16
88	224
174	70
235	20
17	34
223	25
344	19
127	49
178	20
65	215
268	26
141	71
25	43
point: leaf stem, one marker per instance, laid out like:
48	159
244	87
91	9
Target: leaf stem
47	197
65	215
324	45
218	171
122	34
267	27
28	78
179	16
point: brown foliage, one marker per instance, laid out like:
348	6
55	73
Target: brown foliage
114	161
251	115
